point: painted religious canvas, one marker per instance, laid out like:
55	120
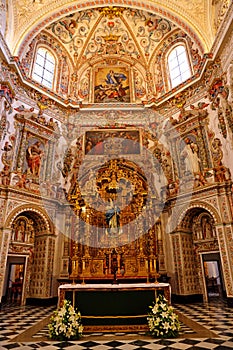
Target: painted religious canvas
112	141
111	85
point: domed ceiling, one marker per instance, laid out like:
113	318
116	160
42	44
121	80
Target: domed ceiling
110	31
90	43
25	18
88	38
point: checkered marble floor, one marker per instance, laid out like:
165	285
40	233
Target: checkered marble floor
215	316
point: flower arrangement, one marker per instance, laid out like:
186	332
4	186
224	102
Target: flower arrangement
162	320
65	323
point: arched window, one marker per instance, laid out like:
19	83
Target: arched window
44	67
178	65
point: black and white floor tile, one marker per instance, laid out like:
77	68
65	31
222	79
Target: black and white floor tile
215	317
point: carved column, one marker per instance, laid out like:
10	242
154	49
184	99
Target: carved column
64	273
49	161
20	145
5	235
225	239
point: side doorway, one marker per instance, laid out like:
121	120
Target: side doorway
14	283
214	282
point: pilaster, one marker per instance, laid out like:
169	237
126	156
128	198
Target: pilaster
5	235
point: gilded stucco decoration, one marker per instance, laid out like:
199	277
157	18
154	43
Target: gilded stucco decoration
89	34
194	15
219	10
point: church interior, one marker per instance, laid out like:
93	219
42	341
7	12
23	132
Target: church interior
116	167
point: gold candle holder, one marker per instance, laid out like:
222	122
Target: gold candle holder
148	274
157	275
83	269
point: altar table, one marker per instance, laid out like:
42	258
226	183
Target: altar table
113	300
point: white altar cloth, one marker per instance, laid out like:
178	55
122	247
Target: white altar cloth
113	286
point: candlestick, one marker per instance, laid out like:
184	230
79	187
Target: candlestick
83	269
148	266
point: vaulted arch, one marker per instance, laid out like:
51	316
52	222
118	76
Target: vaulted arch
34	212
193	209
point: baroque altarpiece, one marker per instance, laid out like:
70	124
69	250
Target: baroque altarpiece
114	174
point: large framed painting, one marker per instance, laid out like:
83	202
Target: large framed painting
111	84
106	141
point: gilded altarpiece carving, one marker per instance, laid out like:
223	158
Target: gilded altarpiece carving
107	200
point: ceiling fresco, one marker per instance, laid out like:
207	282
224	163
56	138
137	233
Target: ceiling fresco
95	32
197	18
91	41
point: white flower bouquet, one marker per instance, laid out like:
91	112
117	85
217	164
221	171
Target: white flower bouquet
65	323
162	320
